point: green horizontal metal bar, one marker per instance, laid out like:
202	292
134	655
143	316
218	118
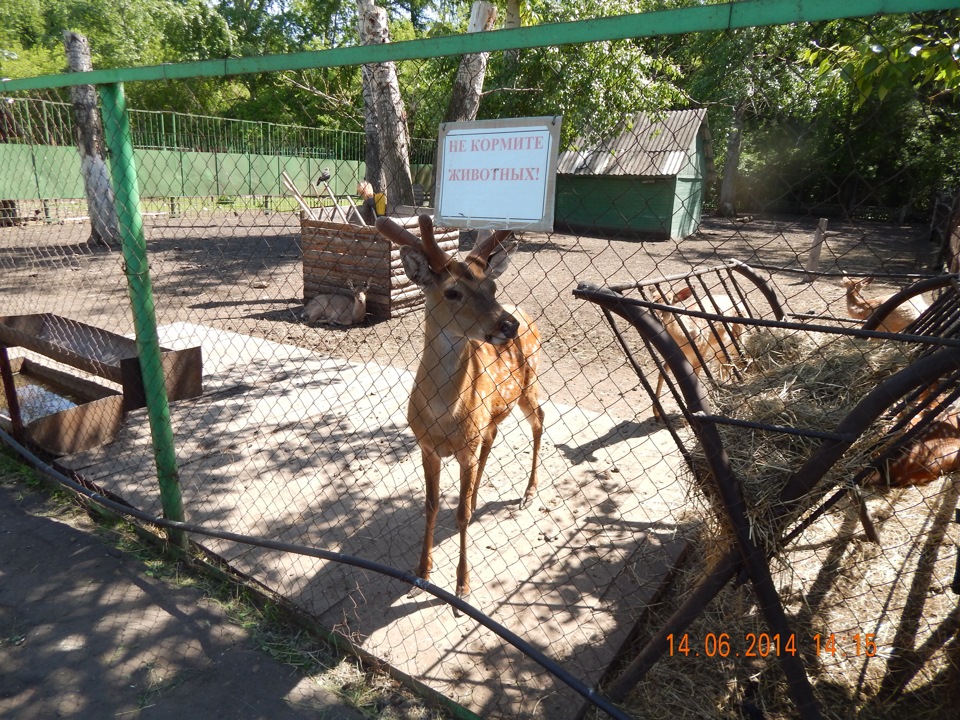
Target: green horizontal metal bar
750	13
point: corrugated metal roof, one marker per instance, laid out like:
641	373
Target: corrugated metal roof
647	148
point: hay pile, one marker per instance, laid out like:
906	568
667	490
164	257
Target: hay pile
831	580
798	380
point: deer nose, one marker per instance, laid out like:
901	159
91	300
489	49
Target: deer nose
508	326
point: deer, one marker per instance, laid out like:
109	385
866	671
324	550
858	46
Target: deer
701	341
860	308
935	452
479	361
337	308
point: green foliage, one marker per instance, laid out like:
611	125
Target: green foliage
818	101
595	86
922	59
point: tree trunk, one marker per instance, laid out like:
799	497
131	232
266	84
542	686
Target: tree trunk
512	20
391	132
468	85
371	128
89	136
727	205
465	96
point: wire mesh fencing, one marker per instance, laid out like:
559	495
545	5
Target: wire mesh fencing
293	336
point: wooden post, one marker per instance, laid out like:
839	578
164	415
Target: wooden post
813	261
13	402
89	135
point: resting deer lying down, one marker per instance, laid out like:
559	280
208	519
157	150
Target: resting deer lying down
935	452
479	360
860	308
702	341
336	308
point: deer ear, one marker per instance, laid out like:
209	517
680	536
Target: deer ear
682	294
499	260
417	267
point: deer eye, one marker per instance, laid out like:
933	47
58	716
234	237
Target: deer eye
452	294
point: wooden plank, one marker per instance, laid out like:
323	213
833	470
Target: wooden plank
288	183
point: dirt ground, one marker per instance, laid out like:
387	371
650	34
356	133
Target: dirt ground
87	632
242	272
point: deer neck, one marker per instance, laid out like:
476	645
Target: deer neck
857	307
448	373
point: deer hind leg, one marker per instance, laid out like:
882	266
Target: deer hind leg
656	412
533	411
431	474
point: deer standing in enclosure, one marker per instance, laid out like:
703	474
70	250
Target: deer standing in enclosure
479	361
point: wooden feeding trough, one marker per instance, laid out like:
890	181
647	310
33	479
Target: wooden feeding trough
336	253
56	411
95	351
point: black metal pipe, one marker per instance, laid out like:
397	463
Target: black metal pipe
755	559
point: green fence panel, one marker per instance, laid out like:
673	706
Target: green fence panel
199	174
233	173
58	172
299	171
18	180
159	173
264	176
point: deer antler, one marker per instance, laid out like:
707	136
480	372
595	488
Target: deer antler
400	235
487	243
391	230
437	257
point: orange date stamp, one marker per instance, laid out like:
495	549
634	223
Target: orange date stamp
763	645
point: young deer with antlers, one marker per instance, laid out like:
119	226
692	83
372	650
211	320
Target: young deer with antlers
479	360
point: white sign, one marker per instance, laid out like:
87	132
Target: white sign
498	174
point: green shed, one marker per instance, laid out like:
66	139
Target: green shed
647	181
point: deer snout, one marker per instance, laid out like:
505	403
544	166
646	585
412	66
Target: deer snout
507	328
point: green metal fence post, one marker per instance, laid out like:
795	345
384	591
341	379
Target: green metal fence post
116	125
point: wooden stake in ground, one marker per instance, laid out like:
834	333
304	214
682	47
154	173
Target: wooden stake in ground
813	261
288	183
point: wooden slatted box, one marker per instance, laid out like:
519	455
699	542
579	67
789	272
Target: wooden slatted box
335	253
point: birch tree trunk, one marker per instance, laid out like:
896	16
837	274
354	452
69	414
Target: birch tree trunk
468	86
90	142
382	91
372	153
511	19
727	205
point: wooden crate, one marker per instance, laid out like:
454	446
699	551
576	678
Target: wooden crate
335	253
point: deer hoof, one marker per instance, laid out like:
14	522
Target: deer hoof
525	501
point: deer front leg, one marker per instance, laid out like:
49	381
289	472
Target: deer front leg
482	463
431	475
469	482
534	414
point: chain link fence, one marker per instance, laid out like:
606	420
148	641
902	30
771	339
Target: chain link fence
296	432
